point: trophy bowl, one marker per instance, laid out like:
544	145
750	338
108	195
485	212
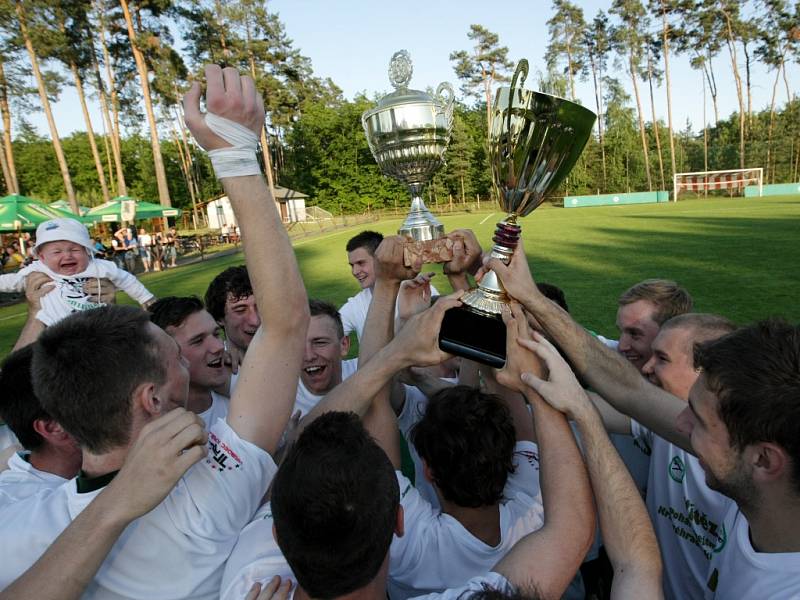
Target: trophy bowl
408	133
535	140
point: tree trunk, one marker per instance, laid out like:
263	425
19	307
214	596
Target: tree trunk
597	96
738	80
187	173
141	67
655	121
8	150
642	131
748	85
112	132
4	165
705	133
772	116
264	140
569	72
62	161
668	83
98	163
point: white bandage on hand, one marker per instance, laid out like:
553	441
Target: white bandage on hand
240	158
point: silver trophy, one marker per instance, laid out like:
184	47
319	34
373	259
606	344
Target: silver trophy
408	132
534	141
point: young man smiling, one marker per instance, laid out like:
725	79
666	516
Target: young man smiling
198	335
323	364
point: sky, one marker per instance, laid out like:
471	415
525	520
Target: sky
351	41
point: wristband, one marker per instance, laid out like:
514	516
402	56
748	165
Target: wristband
240	158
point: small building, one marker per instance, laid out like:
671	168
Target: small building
290	203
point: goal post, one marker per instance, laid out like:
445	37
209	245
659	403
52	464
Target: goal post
728	179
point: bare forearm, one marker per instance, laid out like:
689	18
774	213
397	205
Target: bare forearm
379	326
271	263
31	331
275	354
566	491
609	373
357	392
627	532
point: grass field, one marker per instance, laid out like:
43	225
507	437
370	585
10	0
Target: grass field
738	257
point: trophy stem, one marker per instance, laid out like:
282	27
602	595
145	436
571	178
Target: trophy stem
420	223
490	295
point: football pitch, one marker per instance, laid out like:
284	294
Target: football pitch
738	257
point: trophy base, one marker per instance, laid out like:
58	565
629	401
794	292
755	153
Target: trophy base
423	232
474	335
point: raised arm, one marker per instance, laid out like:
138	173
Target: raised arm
613	377
174	442
627	531
390	272
547	560
262	401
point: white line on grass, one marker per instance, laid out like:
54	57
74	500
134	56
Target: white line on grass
486	219
6	318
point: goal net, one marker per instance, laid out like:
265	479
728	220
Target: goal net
731	179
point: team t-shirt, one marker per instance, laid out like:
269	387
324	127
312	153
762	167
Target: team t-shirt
688	516
218	409
257	557
437	552
22	480
176	551
354	311
739	571
305	400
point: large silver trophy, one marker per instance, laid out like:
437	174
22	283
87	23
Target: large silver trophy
408	132
534	141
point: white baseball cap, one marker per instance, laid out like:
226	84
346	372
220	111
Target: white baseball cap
63	230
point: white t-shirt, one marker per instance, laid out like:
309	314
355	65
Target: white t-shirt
145	240
490	580
687	515
22	480
437	552
218	409
305	400
176	551
68	296
741	572
257	558
354	311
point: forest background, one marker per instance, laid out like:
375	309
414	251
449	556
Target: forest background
135	57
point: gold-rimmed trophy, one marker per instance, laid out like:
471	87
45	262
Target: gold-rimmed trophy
408	132
535	140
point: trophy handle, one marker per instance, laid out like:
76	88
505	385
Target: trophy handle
448	98
521	74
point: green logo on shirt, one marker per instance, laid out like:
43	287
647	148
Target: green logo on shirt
677	470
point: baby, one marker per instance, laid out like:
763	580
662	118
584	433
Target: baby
65	254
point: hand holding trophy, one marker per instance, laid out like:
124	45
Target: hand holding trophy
534	141
408	132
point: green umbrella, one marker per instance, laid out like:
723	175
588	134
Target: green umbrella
64	205
124	208
19	213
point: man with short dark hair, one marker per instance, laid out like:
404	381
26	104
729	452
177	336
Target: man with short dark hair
144	375
230	300
187	321
360	255
50	455
324	364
